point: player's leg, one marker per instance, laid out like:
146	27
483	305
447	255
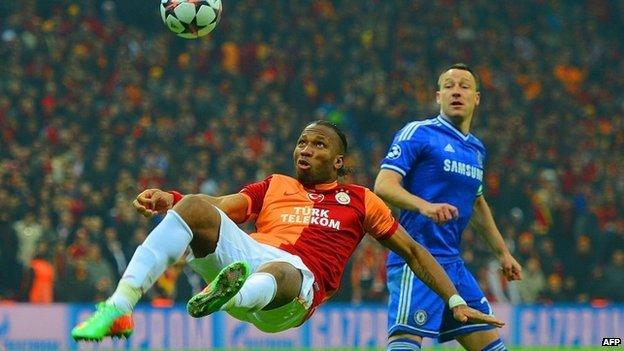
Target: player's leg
483	340
272	285
414	310
276	297
195	221
294	295
473	337
404	342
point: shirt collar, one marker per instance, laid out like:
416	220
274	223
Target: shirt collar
322	186
444	120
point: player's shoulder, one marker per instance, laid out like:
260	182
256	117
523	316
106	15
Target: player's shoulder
353	187
276	179
418	127
477	142
358	190
277	184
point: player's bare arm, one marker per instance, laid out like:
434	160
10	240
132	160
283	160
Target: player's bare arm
431	273
388	186
153	201
483	222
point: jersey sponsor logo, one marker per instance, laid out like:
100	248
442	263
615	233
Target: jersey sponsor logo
343	198
449	148
309	215
463	169
420	317
395	152
316	197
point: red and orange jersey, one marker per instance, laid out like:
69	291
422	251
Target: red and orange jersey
323	226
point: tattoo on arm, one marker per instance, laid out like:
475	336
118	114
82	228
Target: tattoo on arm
423	274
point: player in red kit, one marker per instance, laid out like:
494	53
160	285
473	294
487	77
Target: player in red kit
306	230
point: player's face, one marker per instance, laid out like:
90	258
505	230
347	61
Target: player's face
458	95
317	155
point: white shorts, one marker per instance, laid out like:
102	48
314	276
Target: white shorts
236	245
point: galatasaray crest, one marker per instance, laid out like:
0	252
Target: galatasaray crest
343	198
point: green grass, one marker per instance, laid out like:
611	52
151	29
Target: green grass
434	348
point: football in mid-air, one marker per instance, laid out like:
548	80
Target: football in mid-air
190	19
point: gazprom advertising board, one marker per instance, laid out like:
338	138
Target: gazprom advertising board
47	327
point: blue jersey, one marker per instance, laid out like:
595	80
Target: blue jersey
441	165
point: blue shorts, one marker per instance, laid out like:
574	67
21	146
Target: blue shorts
415	309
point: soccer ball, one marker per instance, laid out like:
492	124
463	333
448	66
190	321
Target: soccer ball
190	19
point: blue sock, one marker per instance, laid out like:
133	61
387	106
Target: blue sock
496	345
403	344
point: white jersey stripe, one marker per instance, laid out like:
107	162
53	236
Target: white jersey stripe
428	333
425	123
410	277
405	130
408	131
394	168
395	346
402	295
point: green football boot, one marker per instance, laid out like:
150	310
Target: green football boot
107	320
227	283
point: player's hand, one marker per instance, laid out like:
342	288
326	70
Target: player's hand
440	213
153	201
510	267
465	314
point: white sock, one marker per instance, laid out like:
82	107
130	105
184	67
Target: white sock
163	247
257	292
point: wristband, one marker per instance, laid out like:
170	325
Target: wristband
455	301
176	196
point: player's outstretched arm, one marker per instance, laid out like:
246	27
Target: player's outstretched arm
388	186
153	201
483	223
431	273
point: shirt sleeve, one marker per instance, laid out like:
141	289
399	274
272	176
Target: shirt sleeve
406	147
378	221
481	161
255	193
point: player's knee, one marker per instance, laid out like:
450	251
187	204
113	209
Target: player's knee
197	212
288	279
284	273
404	342
204	221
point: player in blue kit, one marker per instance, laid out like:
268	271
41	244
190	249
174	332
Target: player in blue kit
434	173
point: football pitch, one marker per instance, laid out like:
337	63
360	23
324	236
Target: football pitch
432	348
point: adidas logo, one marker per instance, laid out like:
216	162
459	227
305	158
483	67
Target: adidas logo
449	148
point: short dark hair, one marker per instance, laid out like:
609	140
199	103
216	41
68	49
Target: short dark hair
344	170
336	129
464	67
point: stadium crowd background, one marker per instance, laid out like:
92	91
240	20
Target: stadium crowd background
99	101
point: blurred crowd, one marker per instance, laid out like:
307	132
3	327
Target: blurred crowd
98	101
